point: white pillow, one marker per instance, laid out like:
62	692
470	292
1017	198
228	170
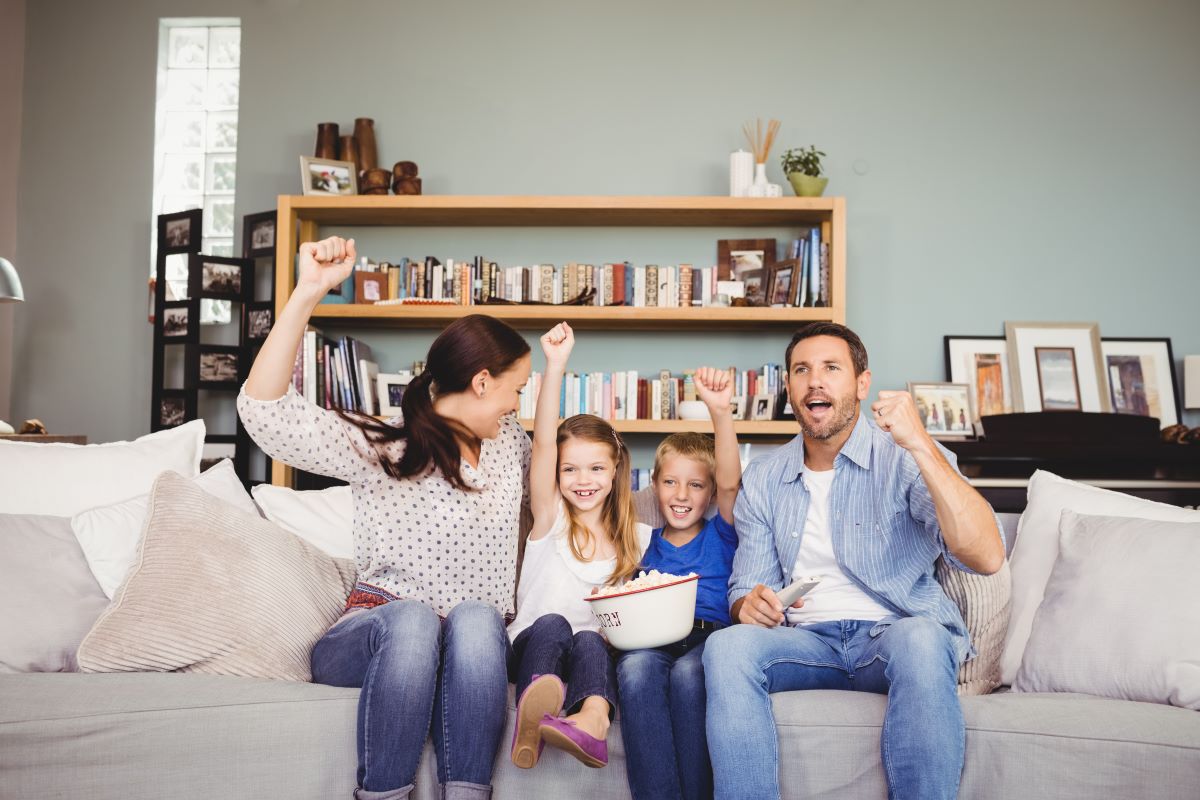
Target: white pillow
109	535
63	479
1120	617
1036	548
323	517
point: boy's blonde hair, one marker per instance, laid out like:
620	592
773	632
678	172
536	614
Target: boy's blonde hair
696	446
620	516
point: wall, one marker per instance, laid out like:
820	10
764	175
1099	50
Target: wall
1018	161
12	58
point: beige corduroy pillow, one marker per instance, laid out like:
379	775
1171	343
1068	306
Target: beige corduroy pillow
985	602
219	591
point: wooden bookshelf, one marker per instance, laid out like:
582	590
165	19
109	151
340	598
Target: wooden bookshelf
778	428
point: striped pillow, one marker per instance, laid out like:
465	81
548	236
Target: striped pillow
985	602
217	590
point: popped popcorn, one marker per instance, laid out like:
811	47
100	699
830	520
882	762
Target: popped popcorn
644	580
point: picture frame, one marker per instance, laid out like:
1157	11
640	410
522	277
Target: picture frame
1141	377
736	257
782	289
175	407
945	409
176	321
180	232
259	321
763	408
258	234
391	386
370	286
219	366
982	363
1044	377
738	405
328	177
218	277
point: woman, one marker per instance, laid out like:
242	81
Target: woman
438	496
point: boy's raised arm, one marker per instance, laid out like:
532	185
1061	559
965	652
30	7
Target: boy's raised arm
715	389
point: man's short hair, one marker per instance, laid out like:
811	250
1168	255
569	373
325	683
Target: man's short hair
696	446
858	352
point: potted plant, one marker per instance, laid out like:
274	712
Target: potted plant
803	169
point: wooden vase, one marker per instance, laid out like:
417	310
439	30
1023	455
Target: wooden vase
349	152
364	132
404	178
327	140
374	181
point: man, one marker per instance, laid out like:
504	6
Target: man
868	504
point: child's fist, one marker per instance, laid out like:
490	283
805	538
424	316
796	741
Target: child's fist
557	344
715	388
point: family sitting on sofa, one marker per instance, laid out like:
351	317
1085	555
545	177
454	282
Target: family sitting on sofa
429	632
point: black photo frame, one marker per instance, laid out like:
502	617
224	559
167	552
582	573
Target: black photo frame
180	232
258	234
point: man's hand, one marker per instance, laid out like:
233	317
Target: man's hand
557	344
762	607
896	413
325	264
714	387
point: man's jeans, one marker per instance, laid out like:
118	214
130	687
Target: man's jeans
662	721
394	652
912	660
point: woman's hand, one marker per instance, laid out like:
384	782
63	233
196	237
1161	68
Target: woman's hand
557	344
325	264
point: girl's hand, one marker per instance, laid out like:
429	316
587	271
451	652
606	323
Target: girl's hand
715	388
325	264
557	344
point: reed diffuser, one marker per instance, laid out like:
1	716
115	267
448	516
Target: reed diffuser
760	144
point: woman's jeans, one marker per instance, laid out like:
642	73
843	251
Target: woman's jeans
912	660
547	647
662	720
414	670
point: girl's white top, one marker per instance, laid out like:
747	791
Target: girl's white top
553	581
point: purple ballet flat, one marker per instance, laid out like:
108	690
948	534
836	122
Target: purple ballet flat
543	696
564	735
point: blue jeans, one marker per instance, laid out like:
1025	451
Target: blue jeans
414	670
547	647
662	720
911	660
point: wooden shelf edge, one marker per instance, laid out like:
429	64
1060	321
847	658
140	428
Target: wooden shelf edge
744	427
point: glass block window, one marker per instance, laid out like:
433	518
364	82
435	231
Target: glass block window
195	142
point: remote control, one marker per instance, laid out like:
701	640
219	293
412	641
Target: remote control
794	591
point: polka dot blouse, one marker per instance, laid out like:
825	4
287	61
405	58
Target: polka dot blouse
417	538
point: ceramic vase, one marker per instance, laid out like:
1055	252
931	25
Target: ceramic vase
327	140
364	132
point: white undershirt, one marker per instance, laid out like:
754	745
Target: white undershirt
836	597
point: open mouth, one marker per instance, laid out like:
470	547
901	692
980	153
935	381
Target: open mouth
819	406
680	511
585	493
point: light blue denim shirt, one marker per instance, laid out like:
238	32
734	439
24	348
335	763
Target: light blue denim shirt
885	531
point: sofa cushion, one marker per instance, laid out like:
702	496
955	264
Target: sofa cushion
1120	617
48	597
985	602
218	590
109	535
324	517
1036	547
64	479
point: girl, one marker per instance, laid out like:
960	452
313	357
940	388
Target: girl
437	494
585	535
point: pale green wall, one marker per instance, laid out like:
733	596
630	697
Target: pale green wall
1021	160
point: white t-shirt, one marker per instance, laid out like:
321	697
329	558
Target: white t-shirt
553	581
836	597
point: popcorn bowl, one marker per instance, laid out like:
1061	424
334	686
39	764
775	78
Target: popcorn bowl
649	617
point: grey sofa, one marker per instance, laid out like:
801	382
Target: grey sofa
130	736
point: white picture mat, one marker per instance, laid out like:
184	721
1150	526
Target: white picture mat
962	367
1165	387
1025	337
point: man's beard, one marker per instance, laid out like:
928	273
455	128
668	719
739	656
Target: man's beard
840	417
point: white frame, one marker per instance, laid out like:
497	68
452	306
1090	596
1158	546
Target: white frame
1164	369
382	381
738	404
918	389
306	163
960	356
1082	337
769	414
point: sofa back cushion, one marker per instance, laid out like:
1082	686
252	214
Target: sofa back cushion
217	590
985	602
324	517
63	479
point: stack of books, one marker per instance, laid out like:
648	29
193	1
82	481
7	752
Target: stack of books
336	374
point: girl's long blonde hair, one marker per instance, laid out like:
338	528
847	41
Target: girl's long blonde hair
619	515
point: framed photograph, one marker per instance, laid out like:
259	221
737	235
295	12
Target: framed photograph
370	286
219	366
220	279
259	322
738	405
981	362
763	408
737	257
328	177
391	387
782	292
1045	377
172	411
213	452
945	409
1141	378
180	232
258	235
175	322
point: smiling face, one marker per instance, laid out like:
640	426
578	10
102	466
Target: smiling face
684	487
501	397
822	387
586	470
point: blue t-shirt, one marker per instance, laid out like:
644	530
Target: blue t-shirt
709	555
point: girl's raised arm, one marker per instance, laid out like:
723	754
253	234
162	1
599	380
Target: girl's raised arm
543	477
